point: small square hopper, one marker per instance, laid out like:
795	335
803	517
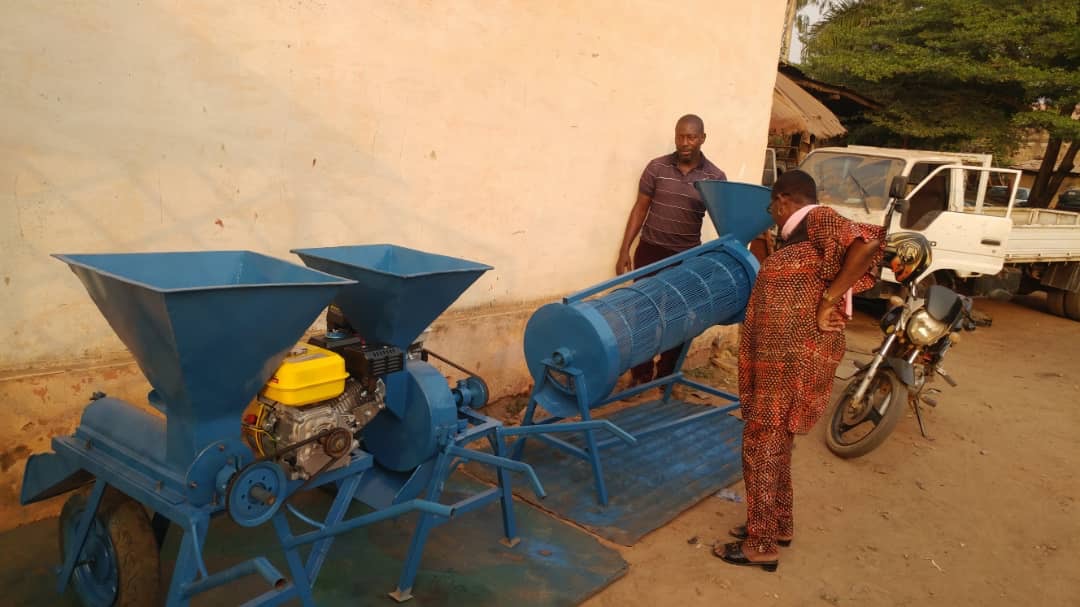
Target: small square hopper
398	291
738	209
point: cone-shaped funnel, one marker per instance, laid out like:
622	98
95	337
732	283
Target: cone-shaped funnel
206	328
736	208
398	292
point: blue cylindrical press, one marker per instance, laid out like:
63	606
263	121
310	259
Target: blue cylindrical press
583	345
597	340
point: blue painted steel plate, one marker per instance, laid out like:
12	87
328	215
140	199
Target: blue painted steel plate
403	443
590	342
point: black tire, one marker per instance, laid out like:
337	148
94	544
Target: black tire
1055	302
119	565
1072	305
885	385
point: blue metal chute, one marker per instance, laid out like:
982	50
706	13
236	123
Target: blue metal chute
736	208
206	328
399	291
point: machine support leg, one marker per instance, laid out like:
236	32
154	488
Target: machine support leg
403	592
506	496
677	373
518	448
188	561
594	459
75	546
300	579
338	509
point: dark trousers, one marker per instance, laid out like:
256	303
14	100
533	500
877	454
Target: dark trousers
645	254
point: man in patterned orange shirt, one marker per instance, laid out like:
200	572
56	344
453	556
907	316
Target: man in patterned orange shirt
791	343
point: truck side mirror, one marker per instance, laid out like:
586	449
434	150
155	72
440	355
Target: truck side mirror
902	206
898	187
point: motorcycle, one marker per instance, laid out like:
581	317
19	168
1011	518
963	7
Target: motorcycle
917	336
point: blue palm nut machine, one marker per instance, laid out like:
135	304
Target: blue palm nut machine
250	418
577	349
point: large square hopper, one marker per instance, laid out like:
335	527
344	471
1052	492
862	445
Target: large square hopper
206	328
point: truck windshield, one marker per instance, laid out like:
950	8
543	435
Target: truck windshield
852	179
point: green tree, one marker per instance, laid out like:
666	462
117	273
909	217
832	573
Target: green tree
797	21
961	74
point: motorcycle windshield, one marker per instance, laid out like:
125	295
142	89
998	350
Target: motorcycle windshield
943	304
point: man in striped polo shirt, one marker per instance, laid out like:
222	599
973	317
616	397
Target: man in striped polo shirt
668	215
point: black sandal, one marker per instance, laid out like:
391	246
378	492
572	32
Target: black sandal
739	532
733	553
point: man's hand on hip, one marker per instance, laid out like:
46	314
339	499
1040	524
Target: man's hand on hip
829	318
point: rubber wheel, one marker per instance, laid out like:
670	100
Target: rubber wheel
119	565
855	431
1072	305
1055	302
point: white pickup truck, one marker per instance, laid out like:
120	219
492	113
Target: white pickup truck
980	246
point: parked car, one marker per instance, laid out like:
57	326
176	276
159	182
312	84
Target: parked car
999	195
1069	200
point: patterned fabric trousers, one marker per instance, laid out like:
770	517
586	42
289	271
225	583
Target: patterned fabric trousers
767	473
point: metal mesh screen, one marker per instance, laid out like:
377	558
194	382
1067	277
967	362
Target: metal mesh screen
673	306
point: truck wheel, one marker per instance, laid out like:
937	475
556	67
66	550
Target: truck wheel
118	565
1072	305
1055	302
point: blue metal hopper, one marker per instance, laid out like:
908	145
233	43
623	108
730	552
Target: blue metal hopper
398	291
206	328
736	208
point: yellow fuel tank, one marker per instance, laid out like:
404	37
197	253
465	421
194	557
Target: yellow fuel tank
308	374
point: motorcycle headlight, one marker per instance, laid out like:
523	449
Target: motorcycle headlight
924	329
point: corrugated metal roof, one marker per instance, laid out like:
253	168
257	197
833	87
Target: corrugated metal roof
1033	166
796	111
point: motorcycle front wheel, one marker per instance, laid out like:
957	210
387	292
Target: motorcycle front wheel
856	429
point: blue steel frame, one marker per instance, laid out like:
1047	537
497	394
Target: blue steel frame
191	577
542	428
183	465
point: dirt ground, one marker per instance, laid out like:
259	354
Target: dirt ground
986	512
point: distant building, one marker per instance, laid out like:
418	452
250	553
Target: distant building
808	113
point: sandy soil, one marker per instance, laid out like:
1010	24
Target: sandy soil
986	512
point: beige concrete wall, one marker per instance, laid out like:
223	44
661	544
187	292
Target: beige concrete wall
511	133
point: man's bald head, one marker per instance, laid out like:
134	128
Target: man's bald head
689	135
691	120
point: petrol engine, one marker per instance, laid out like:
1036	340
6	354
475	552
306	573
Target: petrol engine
312	411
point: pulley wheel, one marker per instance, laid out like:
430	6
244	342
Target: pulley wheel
337	443
255	493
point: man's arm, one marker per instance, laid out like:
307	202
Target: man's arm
633	227
856	262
